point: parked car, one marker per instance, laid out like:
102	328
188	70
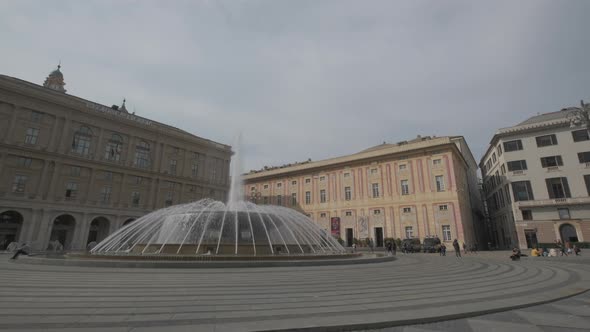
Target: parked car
431	244
412	245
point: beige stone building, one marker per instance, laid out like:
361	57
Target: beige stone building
421	188
73	171
537	180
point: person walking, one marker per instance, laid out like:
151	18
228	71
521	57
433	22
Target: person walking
22	250
464	248
389	250
457	248
393	247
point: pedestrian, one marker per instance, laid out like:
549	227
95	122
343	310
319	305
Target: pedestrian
464	248
22	250
457	248
353	248
389	249
443	249
393	247
475	248
576	250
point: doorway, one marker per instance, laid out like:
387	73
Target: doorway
531	238
568	233
349	238
10	226
379	236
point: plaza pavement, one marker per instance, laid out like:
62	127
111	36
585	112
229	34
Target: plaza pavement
416	288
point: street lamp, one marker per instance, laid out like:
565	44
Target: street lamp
578	116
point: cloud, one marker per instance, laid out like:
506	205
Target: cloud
310	79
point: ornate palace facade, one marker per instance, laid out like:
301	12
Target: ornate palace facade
74	171
421	188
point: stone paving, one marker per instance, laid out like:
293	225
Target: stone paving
417	288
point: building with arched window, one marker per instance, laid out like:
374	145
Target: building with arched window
72	170
536	180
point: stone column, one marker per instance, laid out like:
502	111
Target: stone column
8	136
42	237
99	148
81	233
121	201
53	185
130	148
90	184
41	186
52	143
63	141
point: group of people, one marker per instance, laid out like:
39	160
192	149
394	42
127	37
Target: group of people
391	248
558	250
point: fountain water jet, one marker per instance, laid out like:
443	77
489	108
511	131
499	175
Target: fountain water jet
208	227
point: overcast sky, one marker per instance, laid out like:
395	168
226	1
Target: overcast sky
310	79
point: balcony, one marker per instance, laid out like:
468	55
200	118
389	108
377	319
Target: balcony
517	172
552	169
554	202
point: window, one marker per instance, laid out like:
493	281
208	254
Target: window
373	171
376	212
24	162
564	213
105	194
279	200
405	187
175	150
347	194
517	165
113	148
265	186
108	175
19	183
322	215
71	190
407	210
279	185
31	136
75	171
138	180
322	178
135	198
437	162
142	155
580	135
584	157
348	213
512	146
503	169
440	183
346	175
308	197
587	180
81	142
375	187
499	149
196	155
443	207
293	183
558	188
446	230
494	157
294	199
265	200
546	140
409	232
169	198
36	116
402	167
522	191
172	166
307	180
323	196
195	170
552	161
527	215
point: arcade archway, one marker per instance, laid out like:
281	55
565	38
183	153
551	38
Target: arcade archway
11	223
99	229
63	230
568	233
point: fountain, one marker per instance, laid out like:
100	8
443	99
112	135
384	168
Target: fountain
212	228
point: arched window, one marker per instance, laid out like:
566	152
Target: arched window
142	155
82	140
113	148
568	233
